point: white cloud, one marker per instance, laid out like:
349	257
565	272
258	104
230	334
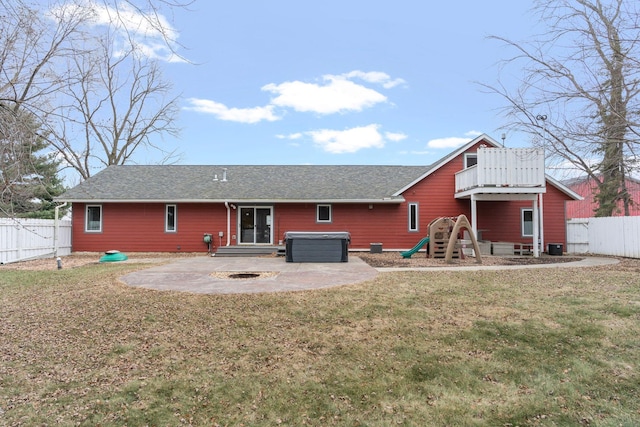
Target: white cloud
453	141
375	77
337	95
241	115
395	137
473	133
348	141
291	136
151	34
156	51
126	17
450	142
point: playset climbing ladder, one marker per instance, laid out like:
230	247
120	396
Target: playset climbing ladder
439	237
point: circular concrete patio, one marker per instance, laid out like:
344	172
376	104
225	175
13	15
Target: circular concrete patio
194	275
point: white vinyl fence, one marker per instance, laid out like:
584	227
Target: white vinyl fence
22	239
617	236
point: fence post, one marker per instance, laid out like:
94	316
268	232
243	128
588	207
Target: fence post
19	239
56	229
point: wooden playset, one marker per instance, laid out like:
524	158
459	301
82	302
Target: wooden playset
443	240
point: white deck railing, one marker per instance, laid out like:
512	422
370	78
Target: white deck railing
504	167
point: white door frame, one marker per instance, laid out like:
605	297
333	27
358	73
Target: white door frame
243	233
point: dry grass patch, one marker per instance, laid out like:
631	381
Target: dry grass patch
419	260
527	347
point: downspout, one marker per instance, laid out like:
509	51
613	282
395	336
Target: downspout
226	205
56	228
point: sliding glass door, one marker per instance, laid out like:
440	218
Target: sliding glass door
255	225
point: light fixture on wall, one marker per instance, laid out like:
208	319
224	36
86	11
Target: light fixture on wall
370	206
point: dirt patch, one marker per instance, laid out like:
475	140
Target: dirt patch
385	259
85	258
394	259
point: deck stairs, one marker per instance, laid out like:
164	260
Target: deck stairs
249	251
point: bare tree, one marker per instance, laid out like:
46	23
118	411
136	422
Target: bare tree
579	94
116	109
29	79
74	71
31	49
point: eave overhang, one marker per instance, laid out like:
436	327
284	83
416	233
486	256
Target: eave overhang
386	200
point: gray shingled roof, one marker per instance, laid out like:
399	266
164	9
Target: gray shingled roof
283	183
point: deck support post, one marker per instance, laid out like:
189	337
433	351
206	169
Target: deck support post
474	214
541	214
536	228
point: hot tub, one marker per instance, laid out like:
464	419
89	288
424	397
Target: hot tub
317	246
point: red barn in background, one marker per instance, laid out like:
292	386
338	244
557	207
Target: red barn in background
588	189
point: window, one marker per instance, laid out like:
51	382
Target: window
527	222
171	222
93	218
470	159
323	213
413	217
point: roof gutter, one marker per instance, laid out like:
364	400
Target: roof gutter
385	200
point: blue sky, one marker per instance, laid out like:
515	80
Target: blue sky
338	82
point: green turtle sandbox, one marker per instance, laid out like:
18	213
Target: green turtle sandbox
113	256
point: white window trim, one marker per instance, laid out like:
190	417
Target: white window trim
413	206
466	159
522	212
318	213
175	219
86	219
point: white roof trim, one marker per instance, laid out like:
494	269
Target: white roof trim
448	158
394	200
566	190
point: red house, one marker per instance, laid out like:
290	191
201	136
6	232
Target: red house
504	193
588	188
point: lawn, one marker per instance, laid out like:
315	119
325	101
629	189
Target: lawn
505	348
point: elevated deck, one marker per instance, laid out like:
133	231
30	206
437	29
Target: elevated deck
503	171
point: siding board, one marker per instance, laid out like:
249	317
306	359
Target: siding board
138	227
